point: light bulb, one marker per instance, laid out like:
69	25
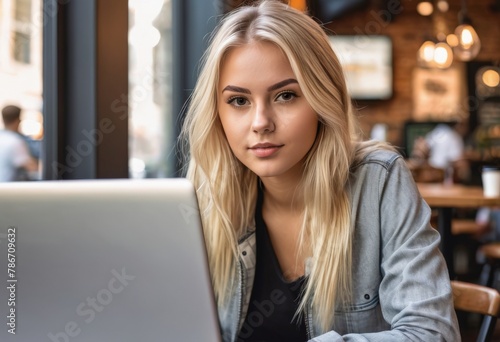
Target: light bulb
491	78
426	54
425	8
469	44
443	56
452	40
443	5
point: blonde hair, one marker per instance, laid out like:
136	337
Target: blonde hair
227	190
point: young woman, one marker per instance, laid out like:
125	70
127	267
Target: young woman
311	233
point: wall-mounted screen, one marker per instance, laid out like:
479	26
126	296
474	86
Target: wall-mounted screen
367	62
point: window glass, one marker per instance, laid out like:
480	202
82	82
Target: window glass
150	65
22	47
22	11
21	68
21	31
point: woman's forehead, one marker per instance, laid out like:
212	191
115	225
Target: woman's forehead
257	60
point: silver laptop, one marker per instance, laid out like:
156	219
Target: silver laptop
103	260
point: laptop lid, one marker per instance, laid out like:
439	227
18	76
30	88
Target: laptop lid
103	260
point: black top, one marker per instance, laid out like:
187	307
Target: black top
274	300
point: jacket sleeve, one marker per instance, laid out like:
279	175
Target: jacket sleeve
415	293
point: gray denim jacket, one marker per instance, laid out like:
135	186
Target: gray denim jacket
401	287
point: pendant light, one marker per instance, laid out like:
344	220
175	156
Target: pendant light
443	6
435	52
435	55
443	55
425	8
469	45
426	54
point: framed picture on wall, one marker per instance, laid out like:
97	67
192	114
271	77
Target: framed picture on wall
367	63
439	94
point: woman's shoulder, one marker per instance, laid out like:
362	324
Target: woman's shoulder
375	153
380	171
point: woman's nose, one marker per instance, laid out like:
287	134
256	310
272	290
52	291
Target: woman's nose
263	120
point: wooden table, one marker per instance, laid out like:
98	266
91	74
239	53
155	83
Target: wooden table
446	197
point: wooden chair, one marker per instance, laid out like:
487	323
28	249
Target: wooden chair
478	299
465	226
424	173
491	251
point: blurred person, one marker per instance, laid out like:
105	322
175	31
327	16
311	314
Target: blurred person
14	112
311	233
16	161
443	149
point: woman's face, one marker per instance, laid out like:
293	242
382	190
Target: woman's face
266	118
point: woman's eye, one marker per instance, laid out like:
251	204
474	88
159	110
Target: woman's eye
286	96
237	101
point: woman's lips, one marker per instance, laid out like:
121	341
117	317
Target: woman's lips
265	150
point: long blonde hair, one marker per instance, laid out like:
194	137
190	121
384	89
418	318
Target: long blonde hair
227	190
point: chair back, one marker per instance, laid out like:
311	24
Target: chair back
426	173
478	299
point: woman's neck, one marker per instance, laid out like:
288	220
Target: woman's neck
283	196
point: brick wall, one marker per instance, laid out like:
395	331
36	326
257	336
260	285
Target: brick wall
407	31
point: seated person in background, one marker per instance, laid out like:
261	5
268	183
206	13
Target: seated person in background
440	155
311	234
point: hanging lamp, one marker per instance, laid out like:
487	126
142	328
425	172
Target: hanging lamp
469	44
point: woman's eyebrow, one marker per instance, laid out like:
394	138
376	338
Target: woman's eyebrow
278	85
282	84
236	89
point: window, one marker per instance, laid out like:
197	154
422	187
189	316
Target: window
21	35
150	109
21	49
22	11
21	66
